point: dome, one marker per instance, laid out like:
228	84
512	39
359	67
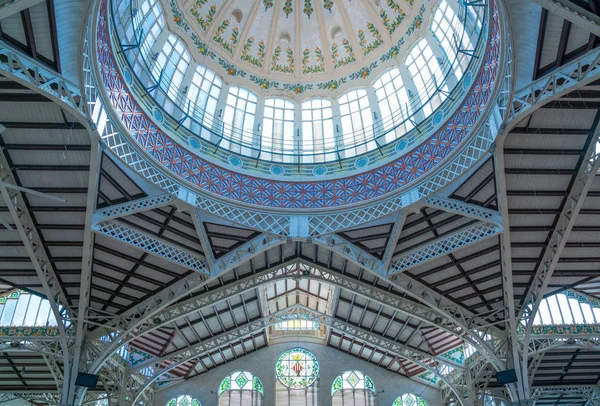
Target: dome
288	86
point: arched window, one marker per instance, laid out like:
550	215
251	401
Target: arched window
171	64
355	114
183	400
410	399
426	73
241	388
317	126
278	126
22	309
568	308
394	103
449	30
353	388
240	112
297	372
203	94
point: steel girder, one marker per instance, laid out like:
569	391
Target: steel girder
31	396
32	74
570	11
507	273
295	269
130	208
444	245
559	82
464	209
588	393
69	389
558	239
351	252
51	286
152	245
151	370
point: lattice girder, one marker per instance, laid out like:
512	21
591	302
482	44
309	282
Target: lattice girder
559	82
464	209
164	364
152	245
133	207
443	246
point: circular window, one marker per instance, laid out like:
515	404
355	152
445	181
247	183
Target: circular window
297	368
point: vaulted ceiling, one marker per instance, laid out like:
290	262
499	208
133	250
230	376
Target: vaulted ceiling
50	154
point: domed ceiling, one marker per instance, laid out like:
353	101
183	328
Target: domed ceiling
322	42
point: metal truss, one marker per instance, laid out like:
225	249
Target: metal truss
245	252
570	11
589	393
557	241
464	209
151	370
336	222
27	71
68	387
564	79
129	208
34	397
539	345
51	347
152	245
443	246
515	357
351	252
266	222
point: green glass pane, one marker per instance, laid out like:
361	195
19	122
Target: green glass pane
241	380
397	402
369	384
225	385
421	402
196	402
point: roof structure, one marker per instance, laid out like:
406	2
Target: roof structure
152	281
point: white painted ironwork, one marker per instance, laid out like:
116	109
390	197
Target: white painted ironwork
31	397
133	207
464	209
559	82
152	245
171	361
558	239
443	246
574	13
32	74
351	252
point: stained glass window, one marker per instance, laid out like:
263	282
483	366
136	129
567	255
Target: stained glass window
297	368
352	380
410	399
183	400
241	381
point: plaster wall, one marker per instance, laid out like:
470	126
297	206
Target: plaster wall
262	363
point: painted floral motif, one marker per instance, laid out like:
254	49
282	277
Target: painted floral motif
268	4
390	24
264	83
364	72
308	8
202	47
178	17
257	60
345	60
231	69
276	66
287	8
203	21
417	21
368	47
297	88
229	46
331	85
328	5
319	67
